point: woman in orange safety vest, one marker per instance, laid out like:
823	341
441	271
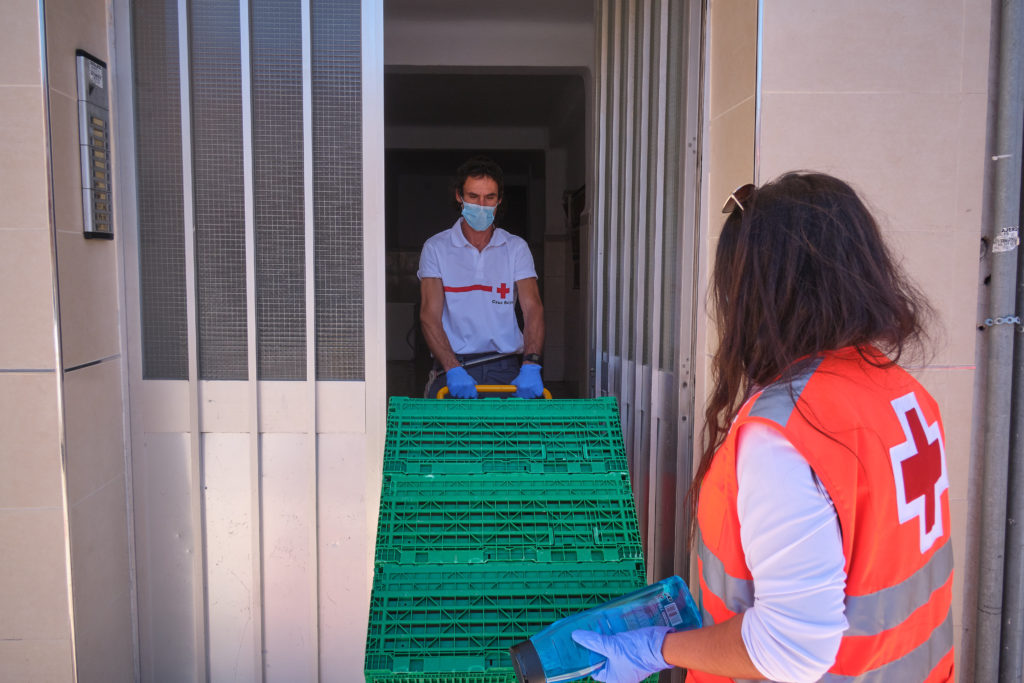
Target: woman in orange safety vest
822	504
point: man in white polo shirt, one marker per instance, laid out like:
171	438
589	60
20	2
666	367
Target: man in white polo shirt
471	276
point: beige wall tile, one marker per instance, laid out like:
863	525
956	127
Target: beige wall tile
99	546
944	267
94	426
39	661
962	305
29	441
26	301
73	25
19	50
33	584
870	46
23	191
67	170
732	157
105	653
733	46
88	298
957	417
895	149
977	42
971	161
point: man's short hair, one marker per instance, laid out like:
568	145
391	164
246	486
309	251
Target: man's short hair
477	167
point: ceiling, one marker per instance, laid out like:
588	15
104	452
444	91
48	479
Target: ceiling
472	96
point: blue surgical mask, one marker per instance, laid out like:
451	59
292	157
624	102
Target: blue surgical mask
479	217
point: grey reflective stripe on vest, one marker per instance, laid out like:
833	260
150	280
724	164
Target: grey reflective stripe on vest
876	612
737	594
868	615
777	401
914	665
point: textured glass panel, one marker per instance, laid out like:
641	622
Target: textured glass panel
634	211
620	218
337	189
278	189
159	186
672	188
652	53
608	222
219	200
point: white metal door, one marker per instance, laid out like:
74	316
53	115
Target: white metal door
251	163
643	251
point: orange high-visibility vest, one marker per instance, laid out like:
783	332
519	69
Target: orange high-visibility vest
874	438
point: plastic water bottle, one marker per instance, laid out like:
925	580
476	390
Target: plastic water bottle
552	655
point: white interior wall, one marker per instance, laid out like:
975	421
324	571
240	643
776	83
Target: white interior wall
444	38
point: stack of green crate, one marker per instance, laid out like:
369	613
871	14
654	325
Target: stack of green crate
497	517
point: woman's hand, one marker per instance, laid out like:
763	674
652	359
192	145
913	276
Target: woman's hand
632	655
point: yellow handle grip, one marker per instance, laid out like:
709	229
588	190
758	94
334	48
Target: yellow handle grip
492	389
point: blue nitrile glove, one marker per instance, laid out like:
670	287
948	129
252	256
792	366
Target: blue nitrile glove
460	384
632	655
528	382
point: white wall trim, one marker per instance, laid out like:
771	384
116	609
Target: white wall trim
373	255
195	442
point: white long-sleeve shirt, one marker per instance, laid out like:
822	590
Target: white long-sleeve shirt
793	547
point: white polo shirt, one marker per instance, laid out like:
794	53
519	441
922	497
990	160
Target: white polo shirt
479	288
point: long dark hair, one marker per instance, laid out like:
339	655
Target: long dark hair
801	269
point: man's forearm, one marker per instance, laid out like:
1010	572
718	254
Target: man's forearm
533	333
437	342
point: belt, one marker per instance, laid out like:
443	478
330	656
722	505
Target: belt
482	358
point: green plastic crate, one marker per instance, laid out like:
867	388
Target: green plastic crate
497	517
481	518
428	623
498	436
465	677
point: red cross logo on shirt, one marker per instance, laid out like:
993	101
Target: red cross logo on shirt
503	290
919	468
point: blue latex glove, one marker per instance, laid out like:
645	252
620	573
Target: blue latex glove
460	384
528	382
632	655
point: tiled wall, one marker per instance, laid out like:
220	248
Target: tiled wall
94	413
35	632
731	74
891	97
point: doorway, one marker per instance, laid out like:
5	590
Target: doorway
619	238
252	156
533	125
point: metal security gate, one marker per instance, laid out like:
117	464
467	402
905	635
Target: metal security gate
643	252
250	159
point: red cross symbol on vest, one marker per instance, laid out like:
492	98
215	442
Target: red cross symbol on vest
503	290
919	468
